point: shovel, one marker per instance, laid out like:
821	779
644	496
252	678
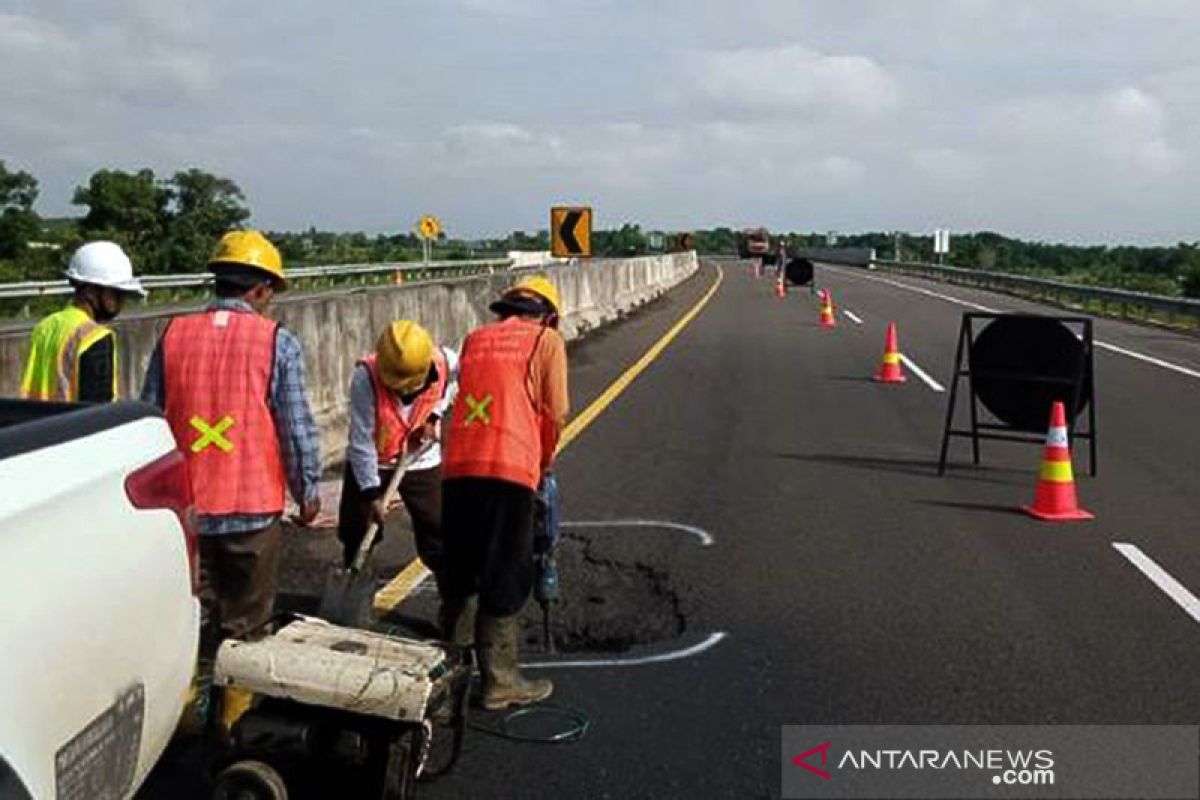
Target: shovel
349	593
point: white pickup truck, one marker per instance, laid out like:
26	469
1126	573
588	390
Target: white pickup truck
99	623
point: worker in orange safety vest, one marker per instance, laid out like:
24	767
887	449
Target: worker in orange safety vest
504	429
232	384
398	397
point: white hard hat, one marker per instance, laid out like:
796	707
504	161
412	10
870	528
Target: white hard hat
104	264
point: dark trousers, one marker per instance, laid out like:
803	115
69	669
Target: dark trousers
239	575
421	491
489	543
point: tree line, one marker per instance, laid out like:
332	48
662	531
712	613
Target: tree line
1167	270
170	224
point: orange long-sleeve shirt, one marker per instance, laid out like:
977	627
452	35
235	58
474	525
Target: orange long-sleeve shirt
547	385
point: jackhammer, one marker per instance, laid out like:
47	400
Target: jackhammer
547	532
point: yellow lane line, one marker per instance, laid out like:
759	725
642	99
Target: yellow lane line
402	585
580	423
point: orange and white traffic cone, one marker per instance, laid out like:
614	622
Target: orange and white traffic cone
780	290
1054	498
890	369
828	320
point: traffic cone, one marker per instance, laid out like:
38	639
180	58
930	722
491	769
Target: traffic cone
1054	498
890	369
827	318
780	290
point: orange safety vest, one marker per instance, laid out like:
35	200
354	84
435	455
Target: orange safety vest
217	366
391	431
495	427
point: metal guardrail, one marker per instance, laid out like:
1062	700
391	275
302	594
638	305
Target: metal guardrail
1113	302
411	270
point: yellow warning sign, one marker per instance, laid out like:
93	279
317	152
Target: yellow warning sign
430	227
571	231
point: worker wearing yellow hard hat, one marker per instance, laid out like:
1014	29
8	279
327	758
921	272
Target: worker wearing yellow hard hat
233	387
504	428
398	396
532	297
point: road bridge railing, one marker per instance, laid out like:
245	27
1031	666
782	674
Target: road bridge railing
300	277
1173	311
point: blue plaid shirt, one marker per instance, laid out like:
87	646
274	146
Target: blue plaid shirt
299	439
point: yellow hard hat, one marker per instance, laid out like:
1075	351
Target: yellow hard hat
249	249
539	286
404	353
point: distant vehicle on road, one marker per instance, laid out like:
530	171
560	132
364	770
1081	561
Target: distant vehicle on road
756	243
100	626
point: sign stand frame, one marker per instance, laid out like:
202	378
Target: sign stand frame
989	430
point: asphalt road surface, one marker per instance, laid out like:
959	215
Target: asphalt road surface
845	582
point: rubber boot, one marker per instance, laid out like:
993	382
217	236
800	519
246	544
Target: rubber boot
457	620
503	685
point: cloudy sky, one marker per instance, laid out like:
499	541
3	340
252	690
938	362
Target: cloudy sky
1057	119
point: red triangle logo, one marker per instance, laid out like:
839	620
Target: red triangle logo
802	759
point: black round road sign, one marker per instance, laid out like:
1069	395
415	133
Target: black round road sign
799	271
1021	364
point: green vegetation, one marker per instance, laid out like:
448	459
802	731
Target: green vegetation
169	225
1170	271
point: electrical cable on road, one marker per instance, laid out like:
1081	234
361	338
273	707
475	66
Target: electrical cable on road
580	724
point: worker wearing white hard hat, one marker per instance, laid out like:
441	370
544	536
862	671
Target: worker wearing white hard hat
73	353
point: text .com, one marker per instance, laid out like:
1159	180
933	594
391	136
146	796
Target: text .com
1024	777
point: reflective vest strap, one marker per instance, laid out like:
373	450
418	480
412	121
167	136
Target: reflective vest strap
83	337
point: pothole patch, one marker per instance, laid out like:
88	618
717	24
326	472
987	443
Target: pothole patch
609	603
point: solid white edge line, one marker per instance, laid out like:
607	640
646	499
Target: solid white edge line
852	317
922	374
674	655
704	536
1158	362
1161	578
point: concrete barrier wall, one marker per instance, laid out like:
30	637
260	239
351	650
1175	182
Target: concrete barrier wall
337	327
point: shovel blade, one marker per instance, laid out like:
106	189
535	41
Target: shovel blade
348	598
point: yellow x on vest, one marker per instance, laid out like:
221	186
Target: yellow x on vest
212	434
479	410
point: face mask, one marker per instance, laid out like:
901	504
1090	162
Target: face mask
107	306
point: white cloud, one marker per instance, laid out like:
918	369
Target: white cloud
790	79
946	165
1078	118
1125	129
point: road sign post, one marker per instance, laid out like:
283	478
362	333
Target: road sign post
429	228
941	243
571	232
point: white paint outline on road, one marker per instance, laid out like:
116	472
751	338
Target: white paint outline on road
418	574
706	538
1112	348
922	374
710	642
852	316
1161	578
